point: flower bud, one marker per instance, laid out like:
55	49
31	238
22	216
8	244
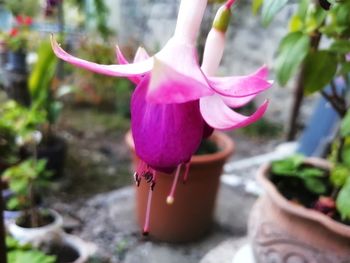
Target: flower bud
222	19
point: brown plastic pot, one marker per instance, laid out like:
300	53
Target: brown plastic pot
190	217
282	231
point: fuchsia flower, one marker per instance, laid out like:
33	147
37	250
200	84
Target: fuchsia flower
176	102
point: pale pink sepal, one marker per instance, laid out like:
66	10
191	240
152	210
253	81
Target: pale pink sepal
126	70
240	86
140	55
221	117
176	76
233	102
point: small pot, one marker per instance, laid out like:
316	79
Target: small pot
29	235
67	248
190	217
282	231
55	153
16	62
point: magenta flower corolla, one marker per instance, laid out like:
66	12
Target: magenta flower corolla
176	102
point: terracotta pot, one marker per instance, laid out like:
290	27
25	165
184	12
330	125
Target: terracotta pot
191	215
284	232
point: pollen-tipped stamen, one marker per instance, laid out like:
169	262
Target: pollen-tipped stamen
185	175
170	199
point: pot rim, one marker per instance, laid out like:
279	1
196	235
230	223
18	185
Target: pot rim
56	223
225	143
278	199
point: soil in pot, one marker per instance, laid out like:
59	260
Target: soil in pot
307	185
44	219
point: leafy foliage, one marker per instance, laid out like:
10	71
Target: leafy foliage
343	201
312	178
20	253
23	176
299	49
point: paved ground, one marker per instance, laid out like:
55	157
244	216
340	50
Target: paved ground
114	230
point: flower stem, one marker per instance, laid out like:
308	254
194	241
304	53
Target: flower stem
170	199
229	3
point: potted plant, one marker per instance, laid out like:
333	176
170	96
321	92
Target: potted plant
190	217
25	180
16	68
177	103
304	215
17	44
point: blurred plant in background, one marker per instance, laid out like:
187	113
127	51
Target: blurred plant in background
300	50
19	36
23	7
317	47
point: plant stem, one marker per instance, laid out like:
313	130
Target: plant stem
3	253
339	109
299	92
298	99
34	218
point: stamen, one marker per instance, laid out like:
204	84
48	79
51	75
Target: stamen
137	179
170	199
185	175
229	3
148	212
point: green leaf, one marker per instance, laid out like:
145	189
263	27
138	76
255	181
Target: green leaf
345	125
311	172
256	5
32	256
340	46
339	175
315	185
320	68
288	166
314	19
295	24
291	52
270	9
345	68
343	201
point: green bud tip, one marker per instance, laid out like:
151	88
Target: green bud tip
222	19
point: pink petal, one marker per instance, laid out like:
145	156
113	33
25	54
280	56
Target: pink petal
141	55
176	76
240	86
110	70
122	60
165	135
219	116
